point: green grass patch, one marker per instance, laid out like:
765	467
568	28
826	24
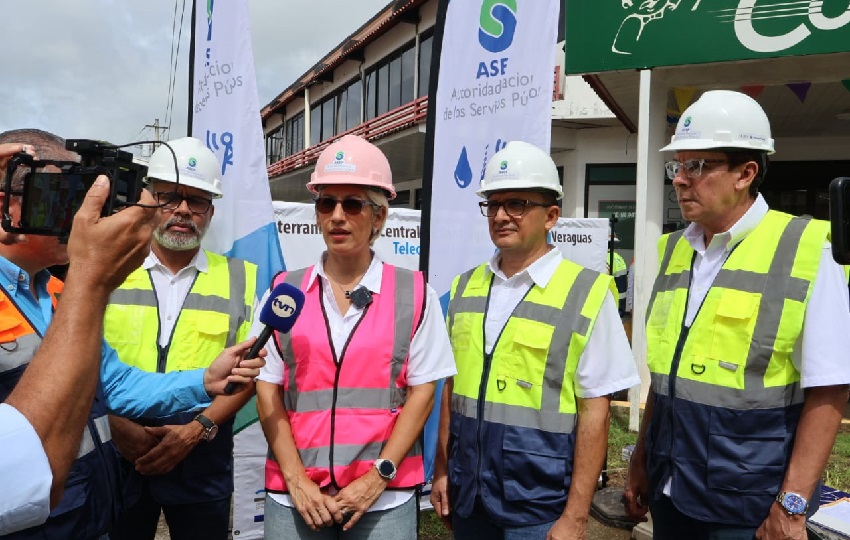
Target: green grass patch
837	473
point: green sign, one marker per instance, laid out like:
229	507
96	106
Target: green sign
624	211
606	35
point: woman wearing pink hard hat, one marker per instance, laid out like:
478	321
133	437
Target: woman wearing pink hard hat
345	394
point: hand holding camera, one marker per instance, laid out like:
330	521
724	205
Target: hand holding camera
51	191
104	250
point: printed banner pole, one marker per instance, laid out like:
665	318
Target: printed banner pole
226	116
495	86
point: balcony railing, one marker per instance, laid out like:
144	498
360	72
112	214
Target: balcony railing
403	117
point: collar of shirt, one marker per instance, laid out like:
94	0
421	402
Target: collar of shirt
16	284
694	234
371	279
539	272
199	262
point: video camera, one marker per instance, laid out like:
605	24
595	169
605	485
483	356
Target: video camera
50	199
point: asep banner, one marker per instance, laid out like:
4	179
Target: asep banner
226	116
494	85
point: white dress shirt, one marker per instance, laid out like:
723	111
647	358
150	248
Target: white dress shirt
172	289
430	357
25	495
606	365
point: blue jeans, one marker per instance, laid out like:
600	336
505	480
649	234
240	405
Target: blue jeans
399	523
479	526
668	523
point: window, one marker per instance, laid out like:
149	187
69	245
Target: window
371	94
349	106
295	134
389	84
315	124
408	65
383	90
329	117
275	145
424	64
402	199
337	113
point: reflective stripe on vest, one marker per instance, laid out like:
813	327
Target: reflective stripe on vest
208	321
342	418
753	312
514	412
727	394
89	503
87	444
566	318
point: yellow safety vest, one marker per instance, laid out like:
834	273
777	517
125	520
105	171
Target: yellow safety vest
747	326
520	400
727	394
216	314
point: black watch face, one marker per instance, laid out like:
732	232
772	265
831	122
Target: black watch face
386	468
213	431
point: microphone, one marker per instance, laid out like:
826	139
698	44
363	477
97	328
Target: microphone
280	312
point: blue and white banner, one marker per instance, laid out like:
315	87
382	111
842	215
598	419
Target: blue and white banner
226	115
494	86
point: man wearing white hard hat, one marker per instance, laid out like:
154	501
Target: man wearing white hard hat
746	344
177	312
540	349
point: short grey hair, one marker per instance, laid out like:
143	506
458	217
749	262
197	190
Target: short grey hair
47	146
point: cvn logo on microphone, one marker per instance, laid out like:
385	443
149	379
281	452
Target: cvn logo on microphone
284	306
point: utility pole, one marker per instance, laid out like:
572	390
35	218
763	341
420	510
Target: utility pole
156	132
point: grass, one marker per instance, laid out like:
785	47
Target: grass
836	475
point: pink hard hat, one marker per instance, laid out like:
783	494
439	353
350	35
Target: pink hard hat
352	160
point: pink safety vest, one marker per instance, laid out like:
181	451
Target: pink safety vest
342	413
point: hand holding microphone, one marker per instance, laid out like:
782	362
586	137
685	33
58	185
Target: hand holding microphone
279	313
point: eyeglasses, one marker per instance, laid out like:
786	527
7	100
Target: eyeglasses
513	207
692	167
350	205
171	200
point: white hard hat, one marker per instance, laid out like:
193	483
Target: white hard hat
198	166
518	166
722	119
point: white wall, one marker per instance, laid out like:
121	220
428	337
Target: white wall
602	145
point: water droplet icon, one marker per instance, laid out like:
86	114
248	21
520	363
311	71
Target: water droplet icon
463	172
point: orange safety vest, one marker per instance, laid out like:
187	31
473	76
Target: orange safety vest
342	411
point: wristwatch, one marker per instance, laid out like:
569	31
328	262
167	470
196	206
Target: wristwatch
793	503
386	468
210	429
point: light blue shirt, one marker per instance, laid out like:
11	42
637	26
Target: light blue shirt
25	497
127	391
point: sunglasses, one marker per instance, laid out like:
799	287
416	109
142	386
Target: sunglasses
350	205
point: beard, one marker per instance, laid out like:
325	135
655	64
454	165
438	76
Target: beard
178	240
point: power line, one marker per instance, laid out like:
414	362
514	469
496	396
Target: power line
175	58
